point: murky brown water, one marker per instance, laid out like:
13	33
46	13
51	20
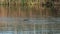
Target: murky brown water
27	24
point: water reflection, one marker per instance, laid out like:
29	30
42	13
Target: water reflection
20	11
23	26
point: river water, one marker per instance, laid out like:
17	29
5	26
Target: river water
9	15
